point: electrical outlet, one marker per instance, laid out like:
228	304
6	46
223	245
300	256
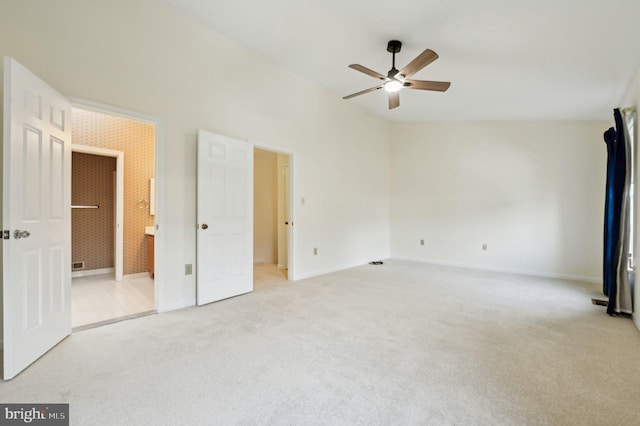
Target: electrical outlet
315	251
485	246
188	269
421	242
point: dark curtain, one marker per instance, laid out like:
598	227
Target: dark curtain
616	216
611	232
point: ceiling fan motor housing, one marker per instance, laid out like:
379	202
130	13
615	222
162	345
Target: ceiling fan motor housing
394	46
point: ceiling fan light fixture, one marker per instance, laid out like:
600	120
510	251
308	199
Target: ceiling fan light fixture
396	80
392	86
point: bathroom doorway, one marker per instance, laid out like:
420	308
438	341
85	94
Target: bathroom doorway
272	218
112	218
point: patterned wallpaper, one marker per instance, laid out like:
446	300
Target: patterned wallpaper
92	234
137	141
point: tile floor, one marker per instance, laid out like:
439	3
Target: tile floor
100	298
266	276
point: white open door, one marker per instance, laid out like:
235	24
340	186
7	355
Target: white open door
36	205
225	218
287	216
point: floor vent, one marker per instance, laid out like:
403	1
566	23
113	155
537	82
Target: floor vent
599	302
76	266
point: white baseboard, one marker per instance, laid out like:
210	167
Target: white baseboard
91	272
593	280
327	271
136	275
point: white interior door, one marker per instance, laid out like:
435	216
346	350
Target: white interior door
287	215
284	214
225	218
36	205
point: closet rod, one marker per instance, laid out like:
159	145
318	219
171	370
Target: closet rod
85	207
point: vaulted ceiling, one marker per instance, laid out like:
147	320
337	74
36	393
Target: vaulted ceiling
506	59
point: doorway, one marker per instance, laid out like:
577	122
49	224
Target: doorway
237	217
36	203
271	218
113	219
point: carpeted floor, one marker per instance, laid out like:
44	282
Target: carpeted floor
398	344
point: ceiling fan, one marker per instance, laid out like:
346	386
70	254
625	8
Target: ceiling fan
396	80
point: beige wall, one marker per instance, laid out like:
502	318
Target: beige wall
92	230
532	191
137	141
1	245
265	205
142	56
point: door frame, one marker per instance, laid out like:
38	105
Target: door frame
159	173
291	275
119	223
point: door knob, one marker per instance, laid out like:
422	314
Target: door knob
204	226
17	234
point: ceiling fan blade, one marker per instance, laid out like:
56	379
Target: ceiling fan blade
438	86
421	61
394	100
367	71
363	92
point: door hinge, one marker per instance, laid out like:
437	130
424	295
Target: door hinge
6	234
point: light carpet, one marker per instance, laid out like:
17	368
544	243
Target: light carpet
397	344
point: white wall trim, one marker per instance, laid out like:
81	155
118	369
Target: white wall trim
92	272
328	271
160	142
541	274
136	275
112	110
